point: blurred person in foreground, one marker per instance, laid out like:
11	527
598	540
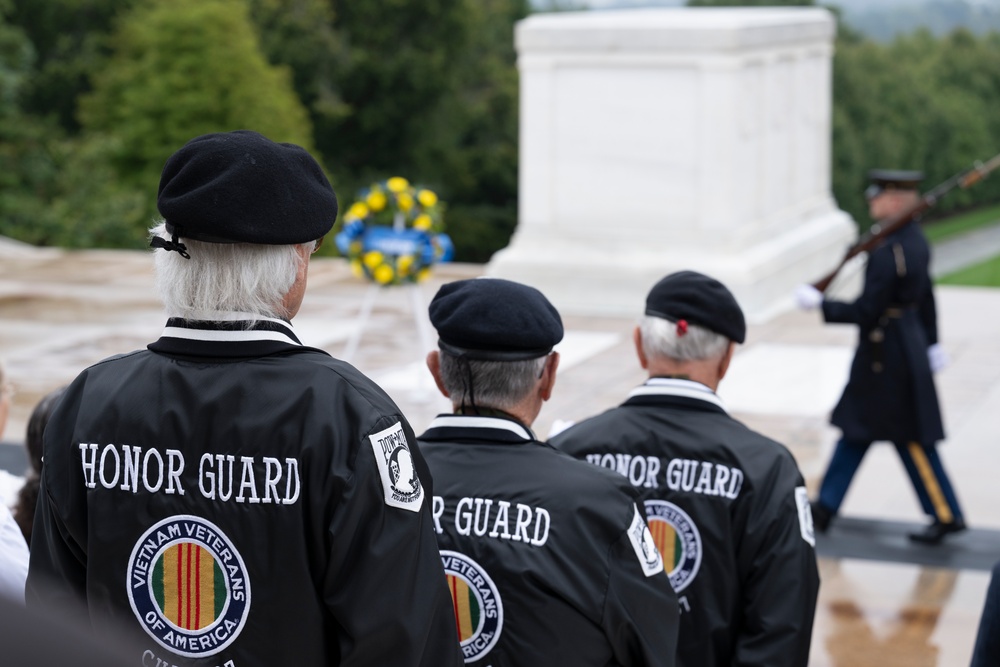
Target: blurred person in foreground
27	497
890	394
728	507
228	490
13	548
549	560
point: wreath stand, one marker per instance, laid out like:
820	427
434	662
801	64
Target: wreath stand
424	389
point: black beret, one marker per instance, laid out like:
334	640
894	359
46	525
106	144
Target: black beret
692	296
241	187
494	320
897	179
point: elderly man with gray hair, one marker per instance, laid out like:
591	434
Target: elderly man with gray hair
727	507
228	492
549	560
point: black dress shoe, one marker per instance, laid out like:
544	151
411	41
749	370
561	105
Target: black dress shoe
936	532
821	516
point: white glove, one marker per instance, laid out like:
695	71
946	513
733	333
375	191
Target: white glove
938	357
808	297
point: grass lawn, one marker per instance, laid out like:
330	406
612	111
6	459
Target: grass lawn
964	222
984	274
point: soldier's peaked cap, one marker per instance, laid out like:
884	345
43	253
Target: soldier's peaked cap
697	299
241	187
494	320
896	179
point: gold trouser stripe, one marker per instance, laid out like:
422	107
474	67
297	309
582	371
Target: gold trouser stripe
930	483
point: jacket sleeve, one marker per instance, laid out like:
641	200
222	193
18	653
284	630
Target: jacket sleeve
57	570
641	614
384	583
781	579
880	279
927	310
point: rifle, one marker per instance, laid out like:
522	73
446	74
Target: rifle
884	228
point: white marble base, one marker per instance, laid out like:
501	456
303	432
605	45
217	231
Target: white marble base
658	140
584	277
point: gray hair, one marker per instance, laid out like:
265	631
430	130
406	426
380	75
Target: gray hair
660	340
495	384
229	277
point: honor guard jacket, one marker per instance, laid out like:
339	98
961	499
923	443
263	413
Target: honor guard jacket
548	560
890	394
728	510
238	499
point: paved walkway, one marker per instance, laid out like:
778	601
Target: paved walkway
61	311
967	249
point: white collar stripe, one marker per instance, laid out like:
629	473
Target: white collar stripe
214	335
465	421
685	390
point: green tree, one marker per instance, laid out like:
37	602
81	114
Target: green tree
182	69
69	38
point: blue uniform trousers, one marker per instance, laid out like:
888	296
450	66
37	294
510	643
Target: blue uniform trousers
923	465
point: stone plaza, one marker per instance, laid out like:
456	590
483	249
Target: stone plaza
61	311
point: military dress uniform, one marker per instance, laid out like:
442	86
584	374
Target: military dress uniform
249	540
548	559
890	394
728	510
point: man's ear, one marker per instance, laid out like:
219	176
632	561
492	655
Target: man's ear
549	376
637	339
726	358
434	366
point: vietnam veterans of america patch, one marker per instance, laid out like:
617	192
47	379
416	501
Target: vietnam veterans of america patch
188	586
678	540
477	605
400	483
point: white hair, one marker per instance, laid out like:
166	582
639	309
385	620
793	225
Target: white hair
225	277
660	340
501	385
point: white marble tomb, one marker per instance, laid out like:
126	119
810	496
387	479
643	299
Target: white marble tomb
653	140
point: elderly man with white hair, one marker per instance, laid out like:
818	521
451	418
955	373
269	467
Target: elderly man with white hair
727	507
228	490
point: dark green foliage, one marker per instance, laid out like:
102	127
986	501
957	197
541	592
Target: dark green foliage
919	102
95	94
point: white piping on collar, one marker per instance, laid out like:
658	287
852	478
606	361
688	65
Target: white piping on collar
212	335
467	421
676	387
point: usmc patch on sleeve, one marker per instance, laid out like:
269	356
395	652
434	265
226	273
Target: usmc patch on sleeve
400	483
645	548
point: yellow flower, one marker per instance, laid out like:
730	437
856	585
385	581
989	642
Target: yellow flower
372	259
376	200
356	268
383	274
423	273
355	248
357	211
427	198
404	264
423	222
405	201
397	184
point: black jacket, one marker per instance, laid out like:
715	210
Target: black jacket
729	512
243	500
890	394
549	560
